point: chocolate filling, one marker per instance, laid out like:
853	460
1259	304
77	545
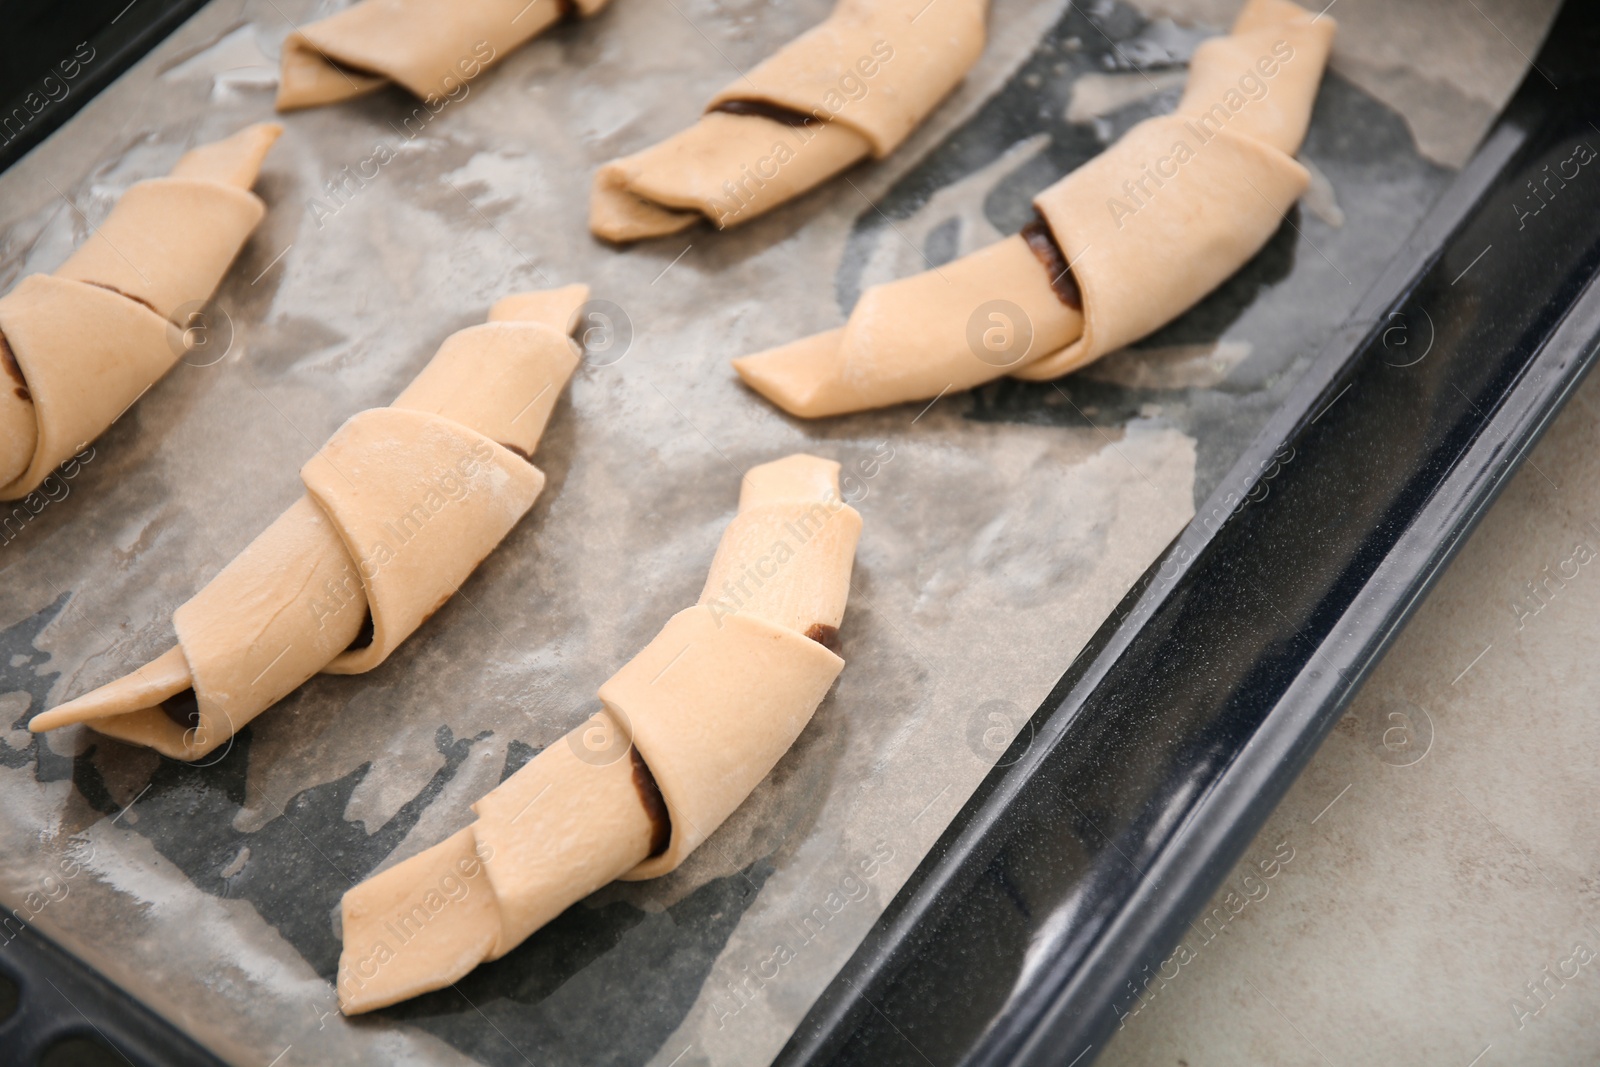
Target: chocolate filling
125	296
363	638
825	635
183	709
788	116
8	359
1043	245
654	805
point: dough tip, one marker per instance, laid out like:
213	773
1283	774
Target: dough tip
797	376
146	687
87	708
1268	14
402	938
556	308
235	160
44	721
798	478
619	216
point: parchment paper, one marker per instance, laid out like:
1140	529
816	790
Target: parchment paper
1001	526
1447	67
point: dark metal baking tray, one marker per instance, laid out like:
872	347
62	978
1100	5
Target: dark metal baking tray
57	1012
1078	863
54	57
54	1009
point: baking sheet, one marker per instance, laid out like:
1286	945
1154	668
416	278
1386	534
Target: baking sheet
1000	527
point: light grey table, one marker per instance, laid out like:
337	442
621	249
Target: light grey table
1429	891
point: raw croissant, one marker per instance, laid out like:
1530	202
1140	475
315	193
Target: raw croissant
854	86
1126	243
430	47
401	506
688	728
82	344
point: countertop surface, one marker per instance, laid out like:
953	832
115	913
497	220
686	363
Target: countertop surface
1429	890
